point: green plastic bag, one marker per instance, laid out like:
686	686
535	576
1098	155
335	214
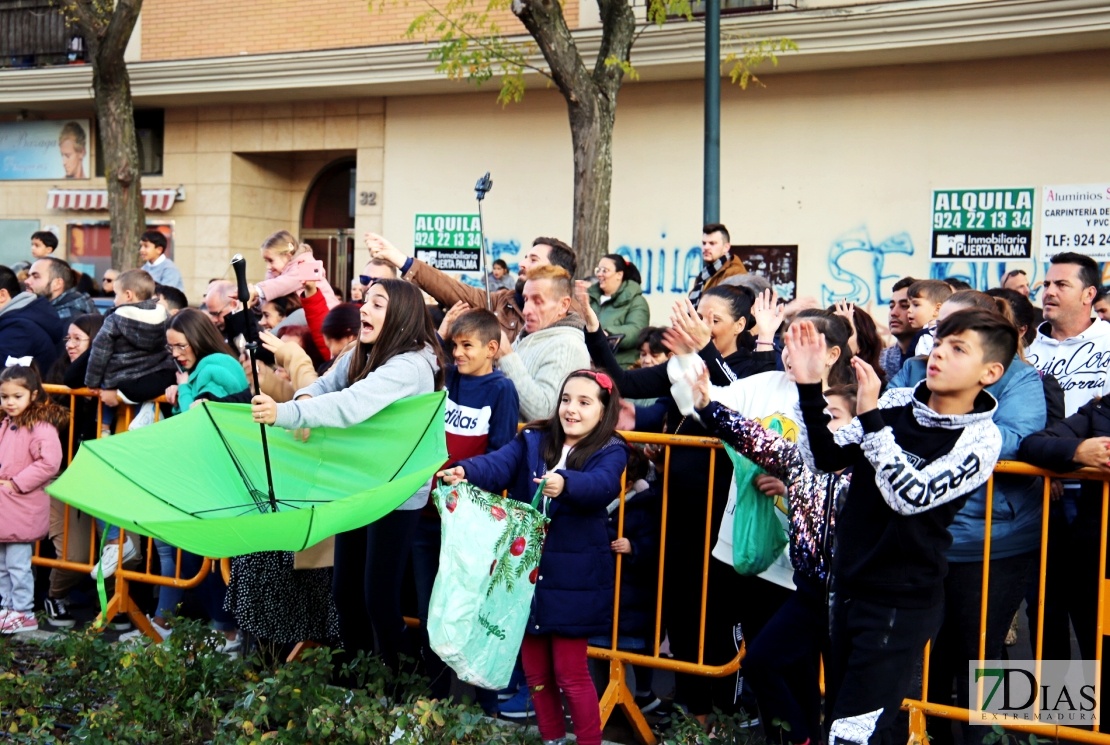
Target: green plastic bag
488	563
758	537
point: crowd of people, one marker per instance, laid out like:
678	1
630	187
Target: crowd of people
875	457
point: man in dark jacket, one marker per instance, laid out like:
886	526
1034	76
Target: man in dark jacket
29	325
54	280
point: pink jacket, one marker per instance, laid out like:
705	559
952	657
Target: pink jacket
30	459
301	268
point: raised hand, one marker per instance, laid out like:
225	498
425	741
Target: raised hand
768	315
582	295
868	386
380	248
805	352
847	311
701	388
686	321
450	317
270	342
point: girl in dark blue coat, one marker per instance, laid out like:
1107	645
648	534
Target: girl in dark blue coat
581	458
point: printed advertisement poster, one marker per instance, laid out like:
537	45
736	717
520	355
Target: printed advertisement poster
449	242
56	149
1076	218
779	264
982	224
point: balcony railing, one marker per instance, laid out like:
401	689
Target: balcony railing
34	33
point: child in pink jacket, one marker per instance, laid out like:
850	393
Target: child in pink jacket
30	454
289	265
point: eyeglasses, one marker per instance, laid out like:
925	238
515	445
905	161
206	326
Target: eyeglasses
106	280
171	348
600	271
218	314
368	282
75	339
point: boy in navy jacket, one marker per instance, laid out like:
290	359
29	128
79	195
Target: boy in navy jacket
916	454
481	416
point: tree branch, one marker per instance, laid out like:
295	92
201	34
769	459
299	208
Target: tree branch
120	26
483	41
546	23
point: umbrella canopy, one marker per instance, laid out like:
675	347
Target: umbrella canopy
197	480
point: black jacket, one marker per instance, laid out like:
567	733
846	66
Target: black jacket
1054	447
912	470
30	327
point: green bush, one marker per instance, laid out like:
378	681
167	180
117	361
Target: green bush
78	687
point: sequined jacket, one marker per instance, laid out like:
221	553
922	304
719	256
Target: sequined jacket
812	498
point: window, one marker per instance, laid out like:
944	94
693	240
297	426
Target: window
149	126
34	33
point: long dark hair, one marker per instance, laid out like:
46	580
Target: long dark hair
625	267
868	340
837	332
201	334
554	437
740	301
41	408
407	328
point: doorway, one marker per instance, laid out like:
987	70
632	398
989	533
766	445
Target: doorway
328	222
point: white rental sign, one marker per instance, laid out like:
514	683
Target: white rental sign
1076	218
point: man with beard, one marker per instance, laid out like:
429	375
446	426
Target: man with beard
507	305
896	354
720	264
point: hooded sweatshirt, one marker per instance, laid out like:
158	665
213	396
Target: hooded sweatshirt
404	375
912	470
1016	505
30	327
1080	363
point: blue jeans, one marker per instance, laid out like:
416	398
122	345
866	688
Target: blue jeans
111	536
210	592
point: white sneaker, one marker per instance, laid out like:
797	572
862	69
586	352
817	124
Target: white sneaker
138	635
230	647
109	557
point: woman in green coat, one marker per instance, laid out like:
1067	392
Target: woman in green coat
619	304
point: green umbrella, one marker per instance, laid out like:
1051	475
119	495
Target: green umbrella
197	480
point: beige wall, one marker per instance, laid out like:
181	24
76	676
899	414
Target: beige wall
841	164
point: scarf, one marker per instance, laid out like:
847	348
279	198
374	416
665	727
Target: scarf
707	271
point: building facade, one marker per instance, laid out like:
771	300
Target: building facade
322	117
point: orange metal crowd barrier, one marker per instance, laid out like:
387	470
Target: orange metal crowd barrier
617	693
922	707
76	543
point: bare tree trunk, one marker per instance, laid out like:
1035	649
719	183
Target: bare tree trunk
591	98
591	130
107	31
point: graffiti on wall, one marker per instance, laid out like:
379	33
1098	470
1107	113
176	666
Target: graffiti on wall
862	270
859	268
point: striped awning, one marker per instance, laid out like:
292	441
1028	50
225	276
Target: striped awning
154	200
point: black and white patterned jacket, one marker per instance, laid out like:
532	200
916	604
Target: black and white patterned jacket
912	471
